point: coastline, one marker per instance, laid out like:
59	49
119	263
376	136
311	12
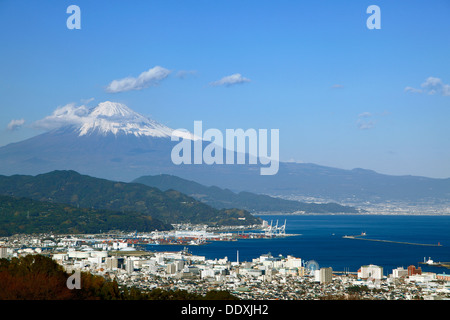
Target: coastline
347	214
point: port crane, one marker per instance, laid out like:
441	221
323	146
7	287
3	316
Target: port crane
276	230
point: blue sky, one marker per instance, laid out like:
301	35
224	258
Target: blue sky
340	94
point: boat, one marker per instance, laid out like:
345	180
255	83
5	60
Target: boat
430	262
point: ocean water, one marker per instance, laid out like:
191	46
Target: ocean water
321	239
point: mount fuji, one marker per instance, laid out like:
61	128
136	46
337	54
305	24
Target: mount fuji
109	141
109	118
113	142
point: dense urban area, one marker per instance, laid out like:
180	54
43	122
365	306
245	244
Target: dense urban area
120	256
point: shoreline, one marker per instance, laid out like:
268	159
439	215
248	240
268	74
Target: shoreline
351	214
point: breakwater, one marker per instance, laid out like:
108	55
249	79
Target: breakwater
360	237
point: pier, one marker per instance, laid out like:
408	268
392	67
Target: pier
360	237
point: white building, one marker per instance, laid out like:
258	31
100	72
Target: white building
323	275
223	260
317	275
288	271
94	260
207	273
159	258
60	257
371	271
3	252
78	254
400	272
179	265
117	245
99	254
424	277
293	262
129	266
171	268
112	263
250	272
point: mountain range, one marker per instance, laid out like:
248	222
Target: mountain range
113	142
225	198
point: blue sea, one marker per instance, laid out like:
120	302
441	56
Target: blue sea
320	238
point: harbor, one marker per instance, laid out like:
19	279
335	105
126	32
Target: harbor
191	235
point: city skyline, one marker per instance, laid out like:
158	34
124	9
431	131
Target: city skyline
341	95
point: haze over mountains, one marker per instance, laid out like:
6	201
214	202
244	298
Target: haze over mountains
225	198
113	142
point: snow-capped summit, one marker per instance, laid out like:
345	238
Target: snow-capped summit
107	118
113	109
117	118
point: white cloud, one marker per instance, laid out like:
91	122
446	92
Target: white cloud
413	90
228	81
15	124
337	86
435	86
147	78
432	85
364	124
69	114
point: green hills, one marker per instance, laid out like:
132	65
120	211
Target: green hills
136	201
23	215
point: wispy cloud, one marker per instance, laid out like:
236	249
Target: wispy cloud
413	90
431	85
231	80
337	86
87	101
147	78
365	115
15	124
368	120
292	160
364	124
70	114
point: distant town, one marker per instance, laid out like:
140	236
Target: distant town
385	207
122	257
